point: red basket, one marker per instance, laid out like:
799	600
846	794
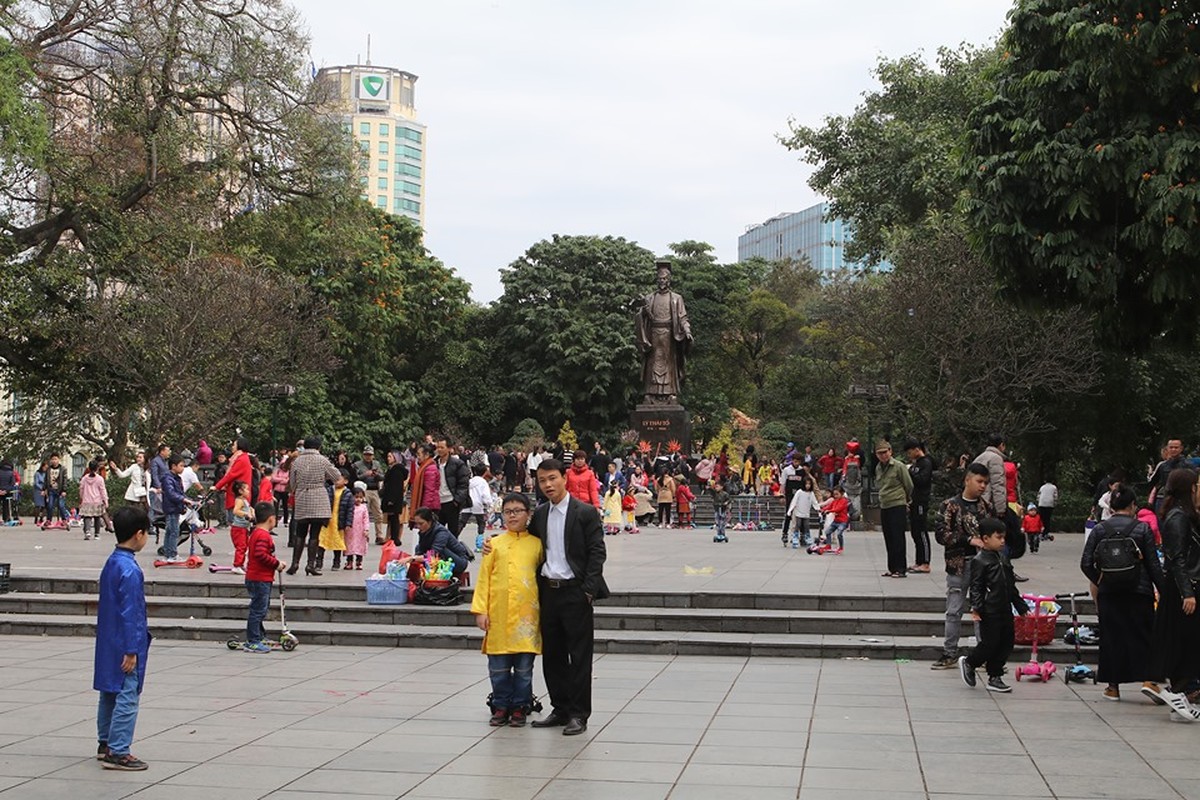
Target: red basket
1028	628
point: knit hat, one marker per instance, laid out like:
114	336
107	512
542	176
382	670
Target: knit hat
359	486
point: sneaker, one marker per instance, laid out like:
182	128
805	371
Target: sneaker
176	560
1178	703
1153	691
1019	578
1112	693
127	762
997	684
256	647
499	718
968	674
945	662
101	751
517	718
237	571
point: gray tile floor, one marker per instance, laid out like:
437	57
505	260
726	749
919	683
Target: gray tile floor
388	723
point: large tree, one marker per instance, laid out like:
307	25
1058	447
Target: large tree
895	158
1083	161
565	327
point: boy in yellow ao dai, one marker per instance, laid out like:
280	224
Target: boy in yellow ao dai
505	606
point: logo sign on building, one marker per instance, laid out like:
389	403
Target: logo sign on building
373	87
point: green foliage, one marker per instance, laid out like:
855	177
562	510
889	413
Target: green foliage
773	437
723	438
23	135
1083	159
528	435
566	324
894	159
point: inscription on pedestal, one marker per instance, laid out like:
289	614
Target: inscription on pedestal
664	427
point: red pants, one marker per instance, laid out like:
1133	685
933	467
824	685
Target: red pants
240	537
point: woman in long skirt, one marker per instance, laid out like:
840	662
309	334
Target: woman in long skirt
1126	610
1176	624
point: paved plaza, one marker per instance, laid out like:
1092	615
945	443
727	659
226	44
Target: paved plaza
329	721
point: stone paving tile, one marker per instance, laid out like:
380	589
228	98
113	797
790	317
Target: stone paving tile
335	782
57	789
564	789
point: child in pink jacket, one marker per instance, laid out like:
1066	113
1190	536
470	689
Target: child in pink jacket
93	500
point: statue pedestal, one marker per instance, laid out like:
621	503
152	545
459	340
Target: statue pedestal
660	425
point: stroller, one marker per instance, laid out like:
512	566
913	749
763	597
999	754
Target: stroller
192	523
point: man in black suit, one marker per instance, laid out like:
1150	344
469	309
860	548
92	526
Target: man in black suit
570	579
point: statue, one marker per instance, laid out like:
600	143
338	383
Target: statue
664	336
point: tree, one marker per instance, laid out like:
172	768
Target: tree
527	435
895	160
960	361
762	333
149	364
1083	159
565	323
567	437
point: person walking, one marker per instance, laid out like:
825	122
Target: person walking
370	472
1047	499
895	487
570	580
309	475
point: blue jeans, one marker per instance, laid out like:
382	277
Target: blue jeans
512	680
260	598
720	518
117	716
171	537
838	529
56	501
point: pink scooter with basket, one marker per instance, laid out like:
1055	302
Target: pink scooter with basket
1036	629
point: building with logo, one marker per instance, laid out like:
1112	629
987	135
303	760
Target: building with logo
810	234
379	110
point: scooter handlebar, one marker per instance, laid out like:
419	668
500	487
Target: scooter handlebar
1072	595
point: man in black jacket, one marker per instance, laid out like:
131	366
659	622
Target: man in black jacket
920	468
570	579
455	488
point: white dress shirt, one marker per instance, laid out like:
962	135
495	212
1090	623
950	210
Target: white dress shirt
556	566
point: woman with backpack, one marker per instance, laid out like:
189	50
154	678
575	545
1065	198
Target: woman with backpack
1121	561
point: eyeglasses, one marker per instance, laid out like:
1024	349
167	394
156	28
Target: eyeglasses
514	512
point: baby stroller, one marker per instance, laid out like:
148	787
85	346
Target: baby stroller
192	523
1036	628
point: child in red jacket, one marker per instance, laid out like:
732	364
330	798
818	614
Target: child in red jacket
839	507
261	566
683	502
1031	523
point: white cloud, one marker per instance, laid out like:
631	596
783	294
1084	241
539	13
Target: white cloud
652	120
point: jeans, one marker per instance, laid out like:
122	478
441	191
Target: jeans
800	532
281	506
56	501
260	598
171	537
512	680
837	529
956	604
720	518
117	715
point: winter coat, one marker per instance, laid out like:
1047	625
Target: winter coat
993	588
997	492
583	486
307	480
1181	551
239	470
439	540
391	494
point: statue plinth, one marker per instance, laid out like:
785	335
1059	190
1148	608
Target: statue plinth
663	424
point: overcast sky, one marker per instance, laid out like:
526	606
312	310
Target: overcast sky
649	119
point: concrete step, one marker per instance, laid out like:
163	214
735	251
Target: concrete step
625	618
607	641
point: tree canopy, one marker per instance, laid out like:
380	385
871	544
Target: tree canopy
1083	157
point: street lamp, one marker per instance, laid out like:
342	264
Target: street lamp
276	392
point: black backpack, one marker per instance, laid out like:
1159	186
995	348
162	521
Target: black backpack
1119	559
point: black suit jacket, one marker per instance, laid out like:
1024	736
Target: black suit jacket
584	537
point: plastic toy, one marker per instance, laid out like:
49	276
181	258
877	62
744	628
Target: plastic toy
55	525
191	562
220	567
1079	672
286	641
1036	628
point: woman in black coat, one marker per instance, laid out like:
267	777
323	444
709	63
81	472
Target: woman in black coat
391	494
1126	610
1176	624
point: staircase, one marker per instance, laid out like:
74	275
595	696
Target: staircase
693	623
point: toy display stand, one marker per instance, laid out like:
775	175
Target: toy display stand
1035	628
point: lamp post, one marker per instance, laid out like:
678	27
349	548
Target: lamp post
275	392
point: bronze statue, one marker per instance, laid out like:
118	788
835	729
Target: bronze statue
664	336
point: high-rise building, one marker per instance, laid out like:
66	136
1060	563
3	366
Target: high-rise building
379	110
807	234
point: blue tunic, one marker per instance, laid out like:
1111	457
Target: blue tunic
120	621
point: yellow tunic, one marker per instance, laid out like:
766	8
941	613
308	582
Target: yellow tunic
506	590
331	536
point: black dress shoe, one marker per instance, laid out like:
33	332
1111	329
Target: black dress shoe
554	720
575	726
1019	578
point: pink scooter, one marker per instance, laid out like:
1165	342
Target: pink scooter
1036	628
